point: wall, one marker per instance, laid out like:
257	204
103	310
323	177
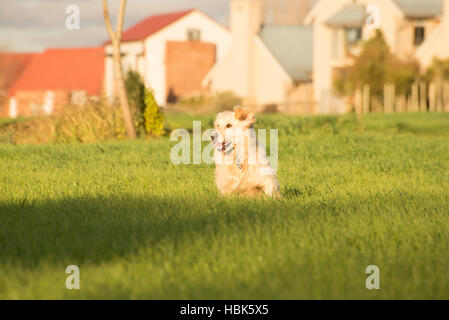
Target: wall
390	18
30	103
406	34
155	47
188	63
133	59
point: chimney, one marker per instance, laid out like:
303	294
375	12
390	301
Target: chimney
246	21
446	10
246	16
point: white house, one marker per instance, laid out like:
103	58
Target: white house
268	65
413	29
172	52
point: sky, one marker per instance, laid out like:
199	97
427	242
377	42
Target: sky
33	25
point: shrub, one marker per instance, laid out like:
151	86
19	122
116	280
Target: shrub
376	66
92	122
439	70
225	100
135	88
154	118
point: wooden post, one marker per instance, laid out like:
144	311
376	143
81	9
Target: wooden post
358	105
400	103
388	98
415	98
366	98
446	96
423	96
432	96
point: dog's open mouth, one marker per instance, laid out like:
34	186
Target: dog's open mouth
222	146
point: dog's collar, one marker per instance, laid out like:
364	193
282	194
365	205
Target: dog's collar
238	163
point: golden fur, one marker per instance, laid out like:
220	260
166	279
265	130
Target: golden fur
242	167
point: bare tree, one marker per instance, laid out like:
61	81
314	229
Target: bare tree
116	37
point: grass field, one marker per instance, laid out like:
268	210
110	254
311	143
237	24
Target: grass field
140	227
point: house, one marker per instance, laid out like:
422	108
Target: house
172	52
437	44
56	78
12	66
293	67
340	26
267	65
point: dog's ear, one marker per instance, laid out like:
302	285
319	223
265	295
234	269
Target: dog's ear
246	115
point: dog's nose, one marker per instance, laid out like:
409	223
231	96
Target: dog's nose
213	135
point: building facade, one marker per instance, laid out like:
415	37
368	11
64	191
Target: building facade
187	41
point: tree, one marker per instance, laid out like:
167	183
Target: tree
376	65
116	37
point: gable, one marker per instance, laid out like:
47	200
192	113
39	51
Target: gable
292	47
151	25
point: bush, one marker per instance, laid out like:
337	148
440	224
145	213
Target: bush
135	88
439	70
200	103
225	100
376	66
153	117
92	122
147	116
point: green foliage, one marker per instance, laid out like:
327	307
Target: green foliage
140	227
135	88
154	118
439	70
219	101
226	100
376	66
95	121
147	115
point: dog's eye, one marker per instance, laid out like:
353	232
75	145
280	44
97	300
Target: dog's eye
229	125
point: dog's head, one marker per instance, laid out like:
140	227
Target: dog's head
228	124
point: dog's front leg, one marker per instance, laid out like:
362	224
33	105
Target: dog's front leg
271	188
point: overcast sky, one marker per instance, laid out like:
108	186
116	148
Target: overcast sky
33	25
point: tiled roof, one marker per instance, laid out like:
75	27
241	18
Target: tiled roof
353	15
420	8
64	69
12	66
152	25
292	46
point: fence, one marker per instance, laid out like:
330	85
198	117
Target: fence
422	97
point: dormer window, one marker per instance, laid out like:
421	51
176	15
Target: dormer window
419	35
194	35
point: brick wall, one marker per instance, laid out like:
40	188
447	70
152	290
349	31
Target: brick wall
30	103
187	64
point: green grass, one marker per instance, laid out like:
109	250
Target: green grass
141	227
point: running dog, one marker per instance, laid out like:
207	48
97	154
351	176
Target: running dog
242	167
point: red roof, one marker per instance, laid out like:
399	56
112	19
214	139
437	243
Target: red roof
12	66
64	69
152	25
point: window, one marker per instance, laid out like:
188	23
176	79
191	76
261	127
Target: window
353	36
420	33
194	35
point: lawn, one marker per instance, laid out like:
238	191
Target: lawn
140	227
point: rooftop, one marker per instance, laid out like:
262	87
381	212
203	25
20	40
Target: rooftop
64	69
292	46
151	25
